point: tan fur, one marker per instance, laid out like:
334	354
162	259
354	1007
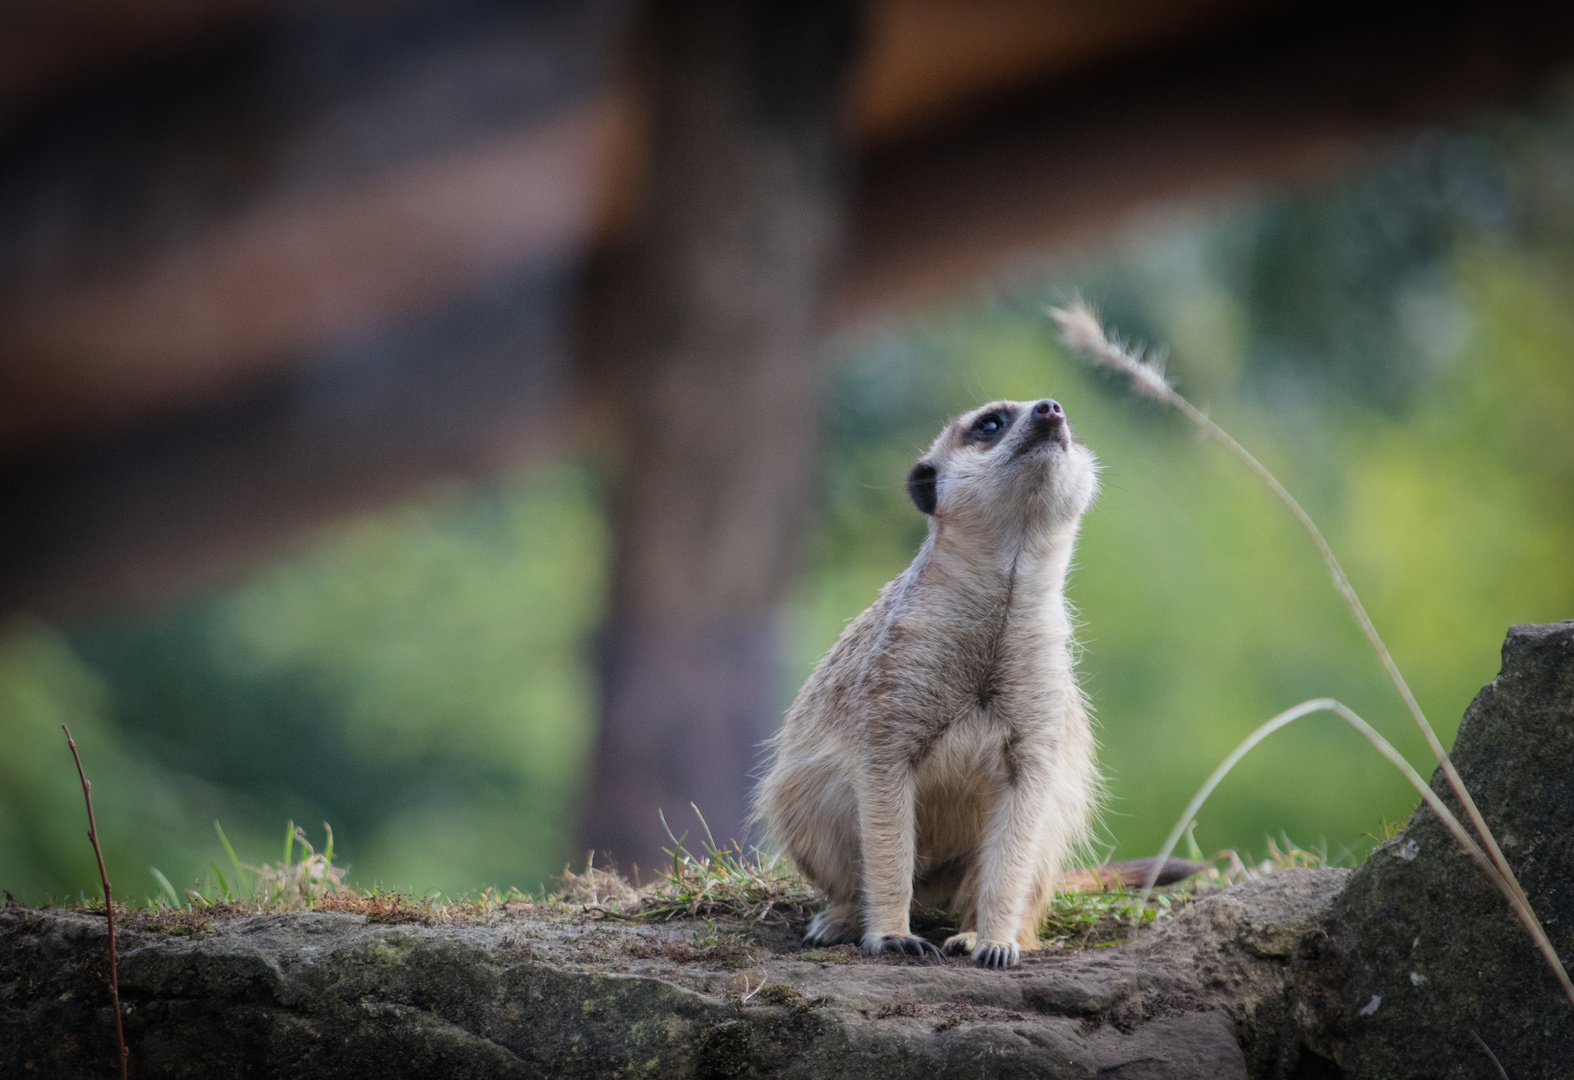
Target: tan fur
942	750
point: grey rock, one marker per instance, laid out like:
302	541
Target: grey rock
1421	931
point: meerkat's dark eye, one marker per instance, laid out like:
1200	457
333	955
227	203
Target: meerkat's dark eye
989	427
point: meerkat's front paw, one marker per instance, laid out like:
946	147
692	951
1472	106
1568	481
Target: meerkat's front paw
830	927
996	954
906	944
957	944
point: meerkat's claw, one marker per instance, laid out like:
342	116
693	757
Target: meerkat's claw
996	954
957	944
908	945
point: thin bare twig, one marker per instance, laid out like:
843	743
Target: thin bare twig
109	907
1081	329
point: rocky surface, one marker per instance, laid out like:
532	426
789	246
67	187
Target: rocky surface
1275	978
319	995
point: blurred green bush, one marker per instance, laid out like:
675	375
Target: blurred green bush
419	680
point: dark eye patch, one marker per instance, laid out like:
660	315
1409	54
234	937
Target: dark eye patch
988	428
921	487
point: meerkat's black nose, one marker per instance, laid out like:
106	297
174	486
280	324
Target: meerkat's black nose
1048	409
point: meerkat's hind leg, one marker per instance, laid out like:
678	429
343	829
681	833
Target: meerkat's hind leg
965	904
836	925
964	940
957	944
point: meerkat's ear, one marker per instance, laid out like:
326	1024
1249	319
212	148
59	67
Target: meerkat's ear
921	486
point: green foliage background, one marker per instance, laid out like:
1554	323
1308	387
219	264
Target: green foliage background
1398	348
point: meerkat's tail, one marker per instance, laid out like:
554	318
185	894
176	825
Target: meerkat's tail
1130	873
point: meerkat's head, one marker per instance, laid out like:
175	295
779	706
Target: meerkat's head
1006	465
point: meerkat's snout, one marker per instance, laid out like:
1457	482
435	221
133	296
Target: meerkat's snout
1046	424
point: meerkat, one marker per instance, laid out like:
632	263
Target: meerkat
942	750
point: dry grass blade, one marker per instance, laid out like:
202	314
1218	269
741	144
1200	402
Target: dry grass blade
603	890
1496	1064
1081	329
1522	910
109	906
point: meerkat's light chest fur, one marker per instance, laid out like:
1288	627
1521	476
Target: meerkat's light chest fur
942	749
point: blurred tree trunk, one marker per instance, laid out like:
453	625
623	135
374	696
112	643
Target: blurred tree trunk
704	332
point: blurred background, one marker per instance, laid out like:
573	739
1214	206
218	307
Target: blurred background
467	423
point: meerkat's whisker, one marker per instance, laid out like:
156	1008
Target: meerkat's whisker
1081	330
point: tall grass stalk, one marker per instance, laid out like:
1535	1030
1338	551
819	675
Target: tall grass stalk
1081	330
1384	747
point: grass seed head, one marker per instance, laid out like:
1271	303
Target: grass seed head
1080	329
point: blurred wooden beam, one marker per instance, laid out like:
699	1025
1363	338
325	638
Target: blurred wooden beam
176	235
129	519
258	292
48	45
1286	98
933	61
